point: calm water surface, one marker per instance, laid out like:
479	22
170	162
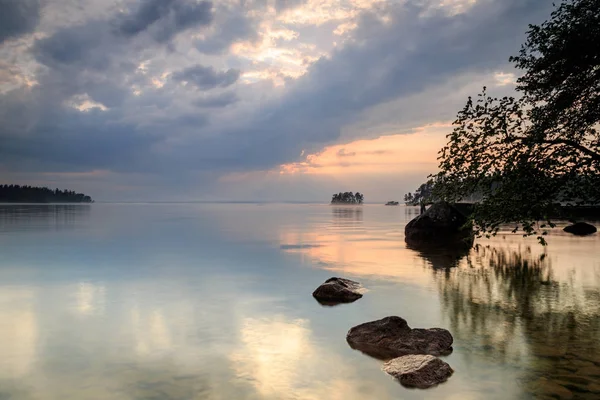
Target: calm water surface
188	301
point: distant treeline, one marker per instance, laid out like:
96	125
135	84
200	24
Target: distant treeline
30	194
347	198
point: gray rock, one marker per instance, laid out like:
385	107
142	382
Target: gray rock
337	290
580	229
420	371
391	337
441	223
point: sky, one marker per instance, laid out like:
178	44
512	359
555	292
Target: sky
258	100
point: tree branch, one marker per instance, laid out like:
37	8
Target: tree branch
595	156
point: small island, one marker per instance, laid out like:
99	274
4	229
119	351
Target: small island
31	194
392	203
347	198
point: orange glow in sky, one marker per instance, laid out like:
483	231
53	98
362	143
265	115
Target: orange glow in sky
398	153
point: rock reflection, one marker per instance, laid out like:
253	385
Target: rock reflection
506	306
443	256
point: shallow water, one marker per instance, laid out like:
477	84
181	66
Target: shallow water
213	301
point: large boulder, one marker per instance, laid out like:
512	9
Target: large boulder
391	337
580	229
440	224
337	290
420	371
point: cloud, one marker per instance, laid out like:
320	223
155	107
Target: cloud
281	5
75	45
406	54
207	77
18	17
229	27
402	65
217	101
165	18
343	153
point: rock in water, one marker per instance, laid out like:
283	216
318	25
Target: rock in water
337	290
580	229
391	337
420	371
441	223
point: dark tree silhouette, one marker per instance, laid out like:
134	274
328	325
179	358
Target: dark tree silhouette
347	198
30	194
528	155
423	194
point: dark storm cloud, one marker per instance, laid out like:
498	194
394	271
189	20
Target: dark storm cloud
235	26
84	59
18	17
166	18
217	101
77	45
207	77
62	139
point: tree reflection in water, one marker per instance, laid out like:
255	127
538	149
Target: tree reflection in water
42	216
347	215
505	305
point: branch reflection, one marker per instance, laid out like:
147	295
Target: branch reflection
506	305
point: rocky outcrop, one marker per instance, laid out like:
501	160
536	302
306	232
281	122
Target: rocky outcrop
337	290
391	337
580	229
420	371
441	223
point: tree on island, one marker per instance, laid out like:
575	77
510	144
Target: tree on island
347	198
30	194
528	155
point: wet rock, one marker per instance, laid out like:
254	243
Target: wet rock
571	379
441	224
417	370
594	388
555	353
590	371
548	389
337	290
580	229
391	337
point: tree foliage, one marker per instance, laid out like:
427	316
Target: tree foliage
347	198
561	59
527	156
30	194
423	194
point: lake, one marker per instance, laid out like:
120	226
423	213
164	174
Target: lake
213	301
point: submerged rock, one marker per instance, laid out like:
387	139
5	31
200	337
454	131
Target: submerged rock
391	337
337	290
420	371
441	223
580	229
